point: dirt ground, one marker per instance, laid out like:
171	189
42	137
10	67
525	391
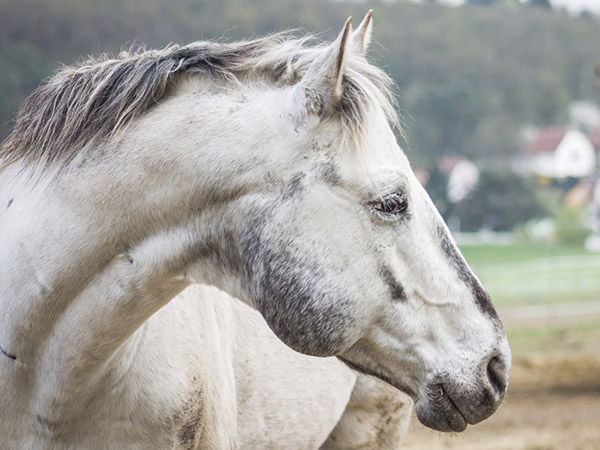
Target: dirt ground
553	403
542	421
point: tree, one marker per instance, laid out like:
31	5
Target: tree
540	4
482	2
468	78
499	201
448	114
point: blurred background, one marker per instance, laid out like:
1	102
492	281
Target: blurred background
499	101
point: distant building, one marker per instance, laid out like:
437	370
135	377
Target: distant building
558	153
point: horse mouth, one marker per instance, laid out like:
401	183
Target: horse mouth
439	411
441	408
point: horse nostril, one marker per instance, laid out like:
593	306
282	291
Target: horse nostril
496	371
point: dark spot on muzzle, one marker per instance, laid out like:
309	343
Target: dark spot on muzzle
450	402
394	286
482	298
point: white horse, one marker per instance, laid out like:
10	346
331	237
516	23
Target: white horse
266	168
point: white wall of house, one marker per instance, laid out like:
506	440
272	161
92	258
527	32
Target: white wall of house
574	156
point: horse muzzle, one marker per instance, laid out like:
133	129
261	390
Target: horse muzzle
450	402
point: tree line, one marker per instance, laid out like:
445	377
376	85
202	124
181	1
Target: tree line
468	78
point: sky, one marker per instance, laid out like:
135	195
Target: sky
573	6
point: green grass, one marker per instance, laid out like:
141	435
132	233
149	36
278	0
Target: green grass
518	252
529	274
580	337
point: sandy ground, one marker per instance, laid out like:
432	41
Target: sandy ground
553	403
541	421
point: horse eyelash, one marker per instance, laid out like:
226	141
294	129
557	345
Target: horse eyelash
383	207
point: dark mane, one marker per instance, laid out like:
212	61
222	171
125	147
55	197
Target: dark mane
91	102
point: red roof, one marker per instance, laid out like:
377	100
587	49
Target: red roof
546	139
447	163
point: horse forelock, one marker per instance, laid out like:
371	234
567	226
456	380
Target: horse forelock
92	101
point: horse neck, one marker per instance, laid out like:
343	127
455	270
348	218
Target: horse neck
96	250
61	286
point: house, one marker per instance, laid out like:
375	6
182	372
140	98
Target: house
559	153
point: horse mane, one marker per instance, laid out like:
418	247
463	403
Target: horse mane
94	100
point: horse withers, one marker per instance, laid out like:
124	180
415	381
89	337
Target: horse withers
268	169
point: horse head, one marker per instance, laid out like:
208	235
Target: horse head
344	253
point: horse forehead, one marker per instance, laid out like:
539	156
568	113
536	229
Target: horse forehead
377	166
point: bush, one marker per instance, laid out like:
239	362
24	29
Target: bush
570	227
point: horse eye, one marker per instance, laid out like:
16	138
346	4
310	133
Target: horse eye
394	204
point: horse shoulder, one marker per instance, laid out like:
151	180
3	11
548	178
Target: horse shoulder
284	399
193	332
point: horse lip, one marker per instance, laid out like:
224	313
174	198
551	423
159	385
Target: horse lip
440	412
477	406
455	407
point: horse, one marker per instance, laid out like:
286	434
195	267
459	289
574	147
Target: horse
268	169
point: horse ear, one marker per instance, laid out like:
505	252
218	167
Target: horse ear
322	83
361	38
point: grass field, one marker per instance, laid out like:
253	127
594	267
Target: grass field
581	337
530	274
